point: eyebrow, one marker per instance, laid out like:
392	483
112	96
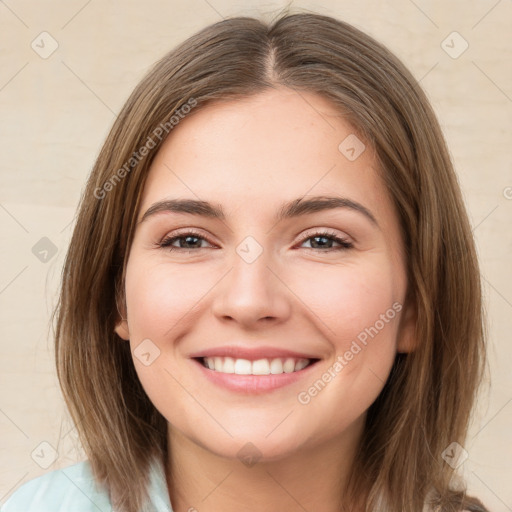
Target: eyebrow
295	208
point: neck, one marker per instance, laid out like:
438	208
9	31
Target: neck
313	478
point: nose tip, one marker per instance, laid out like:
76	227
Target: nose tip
251	295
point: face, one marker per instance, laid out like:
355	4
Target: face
258	317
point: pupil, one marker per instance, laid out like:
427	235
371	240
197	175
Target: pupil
188	238
320	238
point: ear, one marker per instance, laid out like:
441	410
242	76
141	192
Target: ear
121	327
407	340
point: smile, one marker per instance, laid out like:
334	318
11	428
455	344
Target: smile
253	369
264	366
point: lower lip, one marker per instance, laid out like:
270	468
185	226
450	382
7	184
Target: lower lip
252	384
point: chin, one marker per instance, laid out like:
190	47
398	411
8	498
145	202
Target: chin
250	450
250	443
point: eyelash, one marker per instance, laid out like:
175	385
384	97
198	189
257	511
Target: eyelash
167	241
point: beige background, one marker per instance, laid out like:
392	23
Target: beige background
56	111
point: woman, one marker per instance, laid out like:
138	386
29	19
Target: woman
271	300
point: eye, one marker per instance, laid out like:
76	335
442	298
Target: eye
187	241
323	240
192	240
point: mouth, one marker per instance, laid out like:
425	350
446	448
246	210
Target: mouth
259	367
253	370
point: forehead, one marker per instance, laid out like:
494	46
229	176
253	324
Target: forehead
260	151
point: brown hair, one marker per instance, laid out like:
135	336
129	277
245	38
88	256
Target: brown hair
428	398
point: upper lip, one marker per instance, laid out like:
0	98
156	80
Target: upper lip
251	353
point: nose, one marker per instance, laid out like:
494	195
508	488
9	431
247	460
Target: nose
252	295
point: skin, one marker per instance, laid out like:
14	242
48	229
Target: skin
250	156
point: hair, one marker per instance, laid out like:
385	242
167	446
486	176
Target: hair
427	401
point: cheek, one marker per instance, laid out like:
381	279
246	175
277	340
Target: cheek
348	300
160	297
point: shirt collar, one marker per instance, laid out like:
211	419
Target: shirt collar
159	500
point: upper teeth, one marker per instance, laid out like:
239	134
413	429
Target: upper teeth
259	367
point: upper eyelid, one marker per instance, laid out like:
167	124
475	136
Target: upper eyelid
182	232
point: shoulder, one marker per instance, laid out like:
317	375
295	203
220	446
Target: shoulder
470	505
71	488
473	504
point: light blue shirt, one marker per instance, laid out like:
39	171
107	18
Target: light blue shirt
73	489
